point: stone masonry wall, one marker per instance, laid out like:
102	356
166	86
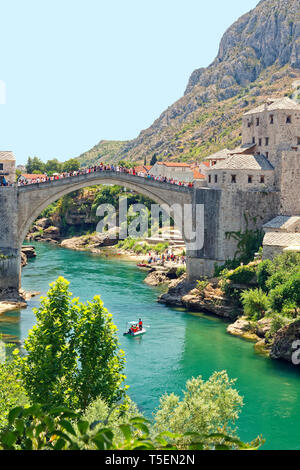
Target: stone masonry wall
290	183
9	242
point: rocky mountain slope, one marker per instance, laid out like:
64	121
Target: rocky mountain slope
259	56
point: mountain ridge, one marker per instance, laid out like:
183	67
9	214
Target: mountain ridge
258	56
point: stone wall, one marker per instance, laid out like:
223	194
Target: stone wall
9	166
9	239
290	183
223	179
281	135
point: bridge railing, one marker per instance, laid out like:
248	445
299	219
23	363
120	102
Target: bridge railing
109	172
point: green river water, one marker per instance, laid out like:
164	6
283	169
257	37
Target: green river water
177	346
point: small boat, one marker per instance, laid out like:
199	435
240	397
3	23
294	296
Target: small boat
142	265
133	329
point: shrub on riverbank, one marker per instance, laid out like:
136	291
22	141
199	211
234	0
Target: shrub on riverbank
278	295
140	247
201	420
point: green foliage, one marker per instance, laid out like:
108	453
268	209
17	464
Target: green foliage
153	160
61	429
180	271
278	322
264	271
242	274
228	265
71	165
12	392
53	166
206	407
72	352
255	303
139	247
283	295
201	285
35	165
248	243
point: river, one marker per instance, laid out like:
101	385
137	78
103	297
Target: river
177	346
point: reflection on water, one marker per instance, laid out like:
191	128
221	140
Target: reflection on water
177	346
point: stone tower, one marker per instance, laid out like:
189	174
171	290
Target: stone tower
7	167
274	128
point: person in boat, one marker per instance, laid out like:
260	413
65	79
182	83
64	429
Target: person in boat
140	324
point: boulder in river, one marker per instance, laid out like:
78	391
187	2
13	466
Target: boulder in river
283	346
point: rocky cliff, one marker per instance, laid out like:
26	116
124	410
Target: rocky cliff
259	56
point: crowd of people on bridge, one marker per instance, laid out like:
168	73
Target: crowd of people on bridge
99	168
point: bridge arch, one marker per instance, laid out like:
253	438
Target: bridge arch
33	199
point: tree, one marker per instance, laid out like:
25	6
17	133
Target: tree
73	354
153	160
205	408
35	165
71	165
53	166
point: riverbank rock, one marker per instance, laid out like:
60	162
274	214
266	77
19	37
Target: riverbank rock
243	328
27	252
12	299
92	242
156	277
282	347
211	299
161	275
263	327
178	288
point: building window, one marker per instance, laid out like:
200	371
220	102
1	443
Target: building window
214	163
262	179
289	119
260	142
298	140
253	140
249	123
216	178
209	178
271	119
1	166
267	141
257	121
267	154
249	179
233	178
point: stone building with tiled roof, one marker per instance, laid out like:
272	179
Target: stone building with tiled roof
269	156
7	167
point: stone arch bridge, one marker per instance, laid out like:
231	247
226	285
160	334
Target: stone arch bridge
20	206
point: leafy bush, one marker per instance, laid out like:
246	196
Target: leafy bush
205	408
12	391
285	294
61	429
201	285
264	271
180	271
255	303
242	274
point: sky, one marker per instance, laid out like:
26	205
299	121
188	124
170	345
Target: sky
74	72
